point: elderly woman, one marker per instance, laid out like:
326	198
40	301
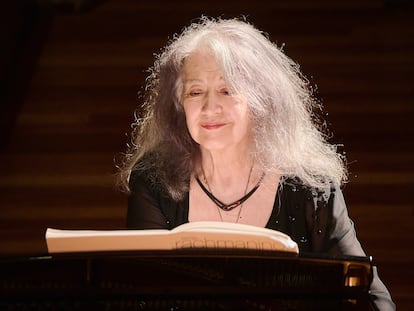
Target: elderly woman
228	133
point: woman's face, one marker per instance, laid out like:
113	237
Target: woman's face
215	118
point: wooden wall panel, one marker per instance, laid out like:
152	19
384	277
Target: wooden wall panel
57	170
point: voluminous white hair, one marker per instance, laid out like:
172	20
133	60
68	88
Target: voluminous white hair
288	137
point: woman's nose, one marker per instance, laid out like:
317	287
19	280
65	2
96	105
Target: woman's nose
211	102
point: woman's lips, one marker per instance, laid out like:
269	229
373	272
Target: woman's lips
212	126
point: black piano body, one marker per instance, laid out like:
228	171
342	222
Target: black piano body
185	280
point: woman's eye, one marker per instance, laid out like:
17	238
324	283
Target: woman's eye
225	92
194	93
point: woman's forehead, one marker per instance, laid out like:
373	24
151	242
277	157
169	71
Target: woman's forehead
200	64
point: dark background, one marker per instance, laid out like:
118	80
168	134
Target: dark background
70	72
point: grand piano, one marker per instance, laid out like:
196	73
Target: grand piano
185	280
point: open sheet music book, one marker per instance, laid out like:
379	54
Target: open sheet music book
194	235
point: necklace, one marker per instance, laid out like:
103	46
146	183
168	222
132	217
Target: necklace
231	206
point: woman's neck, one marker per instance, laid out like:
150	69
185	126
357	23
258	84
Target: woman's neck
227	174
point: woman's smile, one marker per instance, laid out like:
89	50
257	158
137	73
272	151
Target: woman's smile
212	125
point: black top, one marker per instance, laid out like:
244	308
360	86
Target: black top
317	220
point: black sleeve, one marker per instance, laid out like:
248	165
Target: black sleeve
144	210
338	236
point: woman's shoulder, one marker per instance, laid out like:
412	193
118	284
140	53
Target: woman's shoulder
296	187
142	175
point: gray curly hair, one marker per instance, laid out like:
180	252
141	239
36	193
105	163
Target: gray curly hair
288	136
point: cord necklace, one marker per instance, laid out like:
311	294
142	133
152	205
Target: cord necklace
228	207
